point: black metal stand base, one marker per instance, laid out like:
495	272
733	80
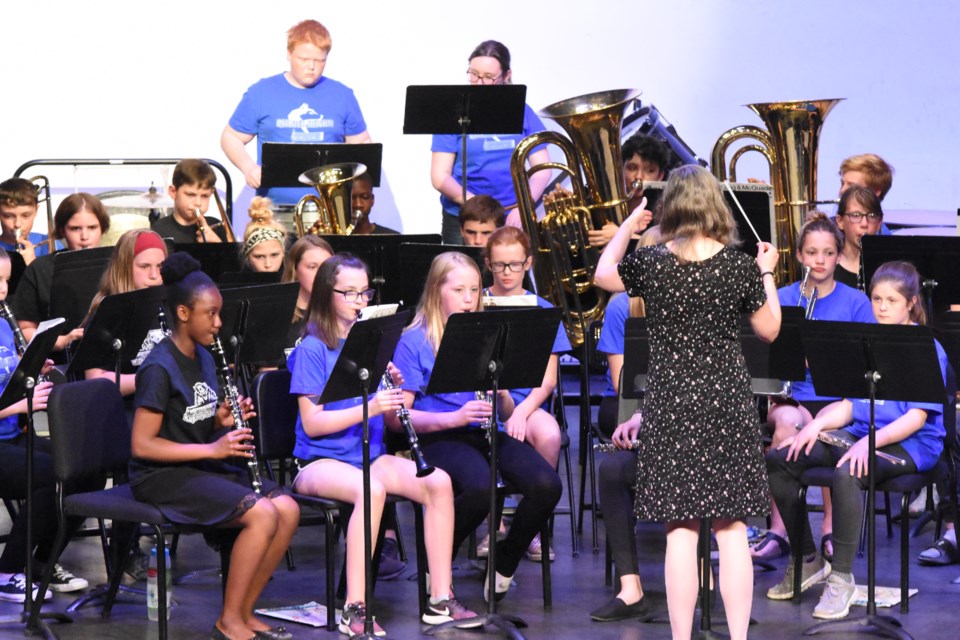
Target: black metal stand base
36	627
882	625
98	595
510	625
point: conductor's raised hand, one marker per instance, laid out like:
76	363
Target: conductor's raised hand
767	256
234	443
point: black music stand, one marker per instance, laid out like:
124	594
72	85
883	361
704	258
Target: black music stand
283	162
121	325
17	267
363	359
876	362
233	279
464	109
416	260
20	385
382	255
771	364
508	349
215	258
76	277
935	257
261	313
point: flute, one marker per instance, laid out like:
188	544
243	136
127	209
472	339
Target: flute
233	401
610	447
832	440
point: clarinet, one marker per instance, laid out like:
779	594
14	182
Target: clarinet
19	341
423	467
860	283
233	401
162	319
487	425
609	447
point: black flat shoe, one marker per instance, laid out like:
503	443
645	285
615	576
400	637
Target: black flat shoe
216	634
276	633
617	609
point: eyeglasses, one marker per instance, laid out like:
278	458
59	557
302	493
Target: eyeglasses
353	296
482	79
500	267
857	217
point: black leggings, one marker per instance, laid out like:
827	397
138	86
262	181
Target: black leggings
462	453
618	475
847	496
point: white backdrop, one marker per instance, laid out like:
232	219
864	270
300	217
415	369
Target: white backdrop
138	79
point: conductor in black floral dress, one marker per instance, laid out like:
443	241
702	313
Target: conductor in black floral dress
700	453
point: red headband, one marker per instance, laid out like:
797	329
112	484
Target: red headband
148	240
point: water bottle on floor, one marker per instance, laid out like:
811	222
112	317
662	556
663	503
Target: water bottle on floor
153	595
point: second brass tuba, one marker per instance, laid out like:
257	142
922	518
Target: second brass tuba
564	262
332	182
789	144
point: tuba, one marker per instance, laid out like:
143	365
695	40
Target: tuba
335	213
790	146
565	262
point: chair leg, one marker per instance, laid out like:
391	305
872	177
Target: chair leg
571	504
594	507
421	559
161	584
330	532
889	512
545	566
904	552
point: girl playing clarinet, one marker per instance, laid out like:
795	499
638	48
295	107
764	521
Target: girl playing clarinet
912	431
178	460
700	451
329	445
449	424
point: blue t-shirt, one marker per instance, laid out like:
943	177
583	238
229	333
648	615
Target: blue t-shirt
488	161
561	344
415	358
41	248
923	445
843	304
9	426
311	365
612	334
274	110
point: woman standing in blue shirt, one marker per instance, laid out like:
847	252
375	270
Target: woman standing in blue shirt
488	155
913	431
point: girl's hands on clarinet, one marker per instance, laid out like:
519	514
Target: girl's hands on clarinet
474	412
224	416
386	401
234	443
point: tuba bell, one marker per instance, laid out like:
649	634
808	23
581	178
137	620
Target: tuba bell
565	262
789	144
332	182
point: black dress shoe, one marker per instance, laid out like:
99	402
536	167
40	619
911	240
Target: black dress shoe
617	609
216	634
276	633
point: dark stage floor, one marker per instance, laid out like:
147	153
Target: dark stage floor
577	584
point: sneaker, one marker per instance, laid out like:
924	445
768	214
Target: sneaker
352	619
838	594
811	573
15	589
617	609
502	586
391	566
483	549
448	610
64	582
535	550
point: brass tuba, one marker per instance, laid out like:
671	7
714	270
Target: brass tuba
790	146
332	182
565	262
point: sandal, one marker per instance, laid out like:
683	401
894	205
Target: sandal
942	553
770	546
826	540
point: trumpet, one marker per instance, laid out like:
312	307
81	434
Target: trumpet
807	314
487	426
423	467
233	401
609	447
17	233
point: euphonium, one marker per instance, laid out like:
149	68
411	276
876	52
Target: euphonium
790	146
335	213
564	261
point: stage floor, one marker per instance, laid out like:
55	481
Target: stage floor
577	588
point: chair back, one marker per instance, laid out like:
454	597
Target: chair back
88	429
277	414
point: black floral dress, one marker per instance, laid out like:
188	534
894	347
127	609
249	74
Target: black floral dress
700	451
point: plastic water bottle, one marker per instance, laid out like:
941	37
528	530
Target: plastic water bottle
153	596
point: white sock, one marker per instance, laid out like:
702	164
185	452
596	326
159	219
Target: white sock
439	600
951	535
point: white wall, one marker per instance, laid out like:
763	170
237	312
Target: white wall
139	79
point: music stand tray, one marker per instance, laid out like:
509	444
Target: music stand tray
283	162
259	318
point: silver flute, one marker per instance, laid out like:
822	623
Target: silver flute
829	438
609	447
